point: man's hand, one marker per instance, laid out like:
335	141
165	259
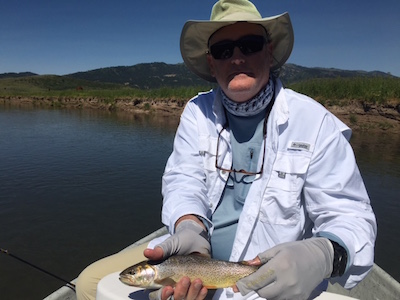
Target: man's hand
184	289
290	270
190	237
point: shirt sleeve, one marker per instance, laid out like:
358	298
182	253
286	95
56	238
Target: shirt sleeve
184	181
337	201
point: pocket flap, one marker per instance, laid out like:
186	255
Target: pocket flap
292	163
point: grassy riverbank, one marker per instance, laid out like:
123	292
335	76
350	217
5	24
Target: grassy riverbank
362	103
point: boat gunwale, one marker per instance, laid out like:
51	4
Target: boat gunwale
378	280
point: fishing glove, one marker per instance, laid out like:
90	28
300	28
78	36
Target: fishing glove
189	237
290	270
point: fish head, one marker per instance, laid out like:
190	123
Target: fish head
140	275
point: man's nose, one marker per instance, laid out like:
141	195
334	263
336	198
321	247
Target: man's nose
237	57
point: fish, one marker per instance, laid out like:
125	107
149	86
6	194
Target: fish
213	273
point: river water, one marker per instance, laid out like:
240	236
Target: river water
77	185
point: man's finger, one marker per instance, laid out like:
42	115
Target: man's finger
254	262
181	289
154	254
194	289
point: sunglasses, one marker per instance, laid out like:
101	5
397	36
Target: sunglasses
241	171
248	44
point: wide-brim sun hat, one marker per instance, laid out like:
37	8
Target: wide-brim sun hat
196	33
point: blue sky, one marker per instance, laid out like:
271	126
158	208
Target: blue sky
62	37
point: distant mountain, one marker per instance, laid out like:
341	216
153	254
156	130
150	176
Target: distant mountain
145	76
158	74
154	75
17	75
291	73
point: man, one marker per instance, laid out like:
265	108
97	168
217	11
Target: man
259	172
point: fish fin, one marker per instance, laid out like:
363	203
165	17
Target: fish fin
166	281
211	287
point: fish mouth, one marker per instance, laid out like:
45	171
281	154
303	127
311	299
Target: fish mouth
125	279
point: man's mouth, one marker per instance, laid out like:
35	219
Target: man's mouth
241	74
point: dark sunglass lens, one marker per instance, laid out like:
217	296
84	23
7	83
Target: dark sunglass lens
247	45
251	44
222	50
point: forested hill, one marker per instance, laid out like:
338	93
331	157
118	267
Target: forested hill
155	75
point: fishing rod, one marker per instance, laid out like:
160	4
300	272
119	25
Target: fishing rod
68	283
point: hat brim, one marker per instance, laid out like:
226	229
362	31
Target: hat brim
195	35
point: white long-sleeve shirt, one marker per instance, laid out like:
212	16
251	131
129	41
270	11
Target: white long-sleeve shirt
310	186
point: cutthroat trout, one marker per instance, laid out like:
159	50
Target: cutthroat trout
213	273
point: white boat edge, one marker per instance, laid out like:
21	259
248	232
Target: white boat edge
377	285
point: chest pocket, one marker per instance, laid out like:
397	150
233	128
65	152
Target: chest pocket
282	200
208	150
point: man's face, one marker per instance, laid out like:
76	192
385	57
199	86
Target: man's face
241	76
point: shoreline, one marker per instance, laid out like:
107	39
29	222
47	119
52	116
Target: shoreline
355	114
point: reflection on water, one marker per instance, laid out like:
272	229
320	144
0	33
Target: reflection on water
374	148
77	185
378	156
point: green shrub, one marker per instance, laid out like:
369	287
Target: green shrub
353	119
377	90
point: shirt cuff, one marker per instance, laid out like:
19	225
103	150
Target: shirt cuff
335	238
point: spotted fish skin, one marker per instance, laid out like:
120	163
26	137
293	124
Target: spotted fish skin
213	273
